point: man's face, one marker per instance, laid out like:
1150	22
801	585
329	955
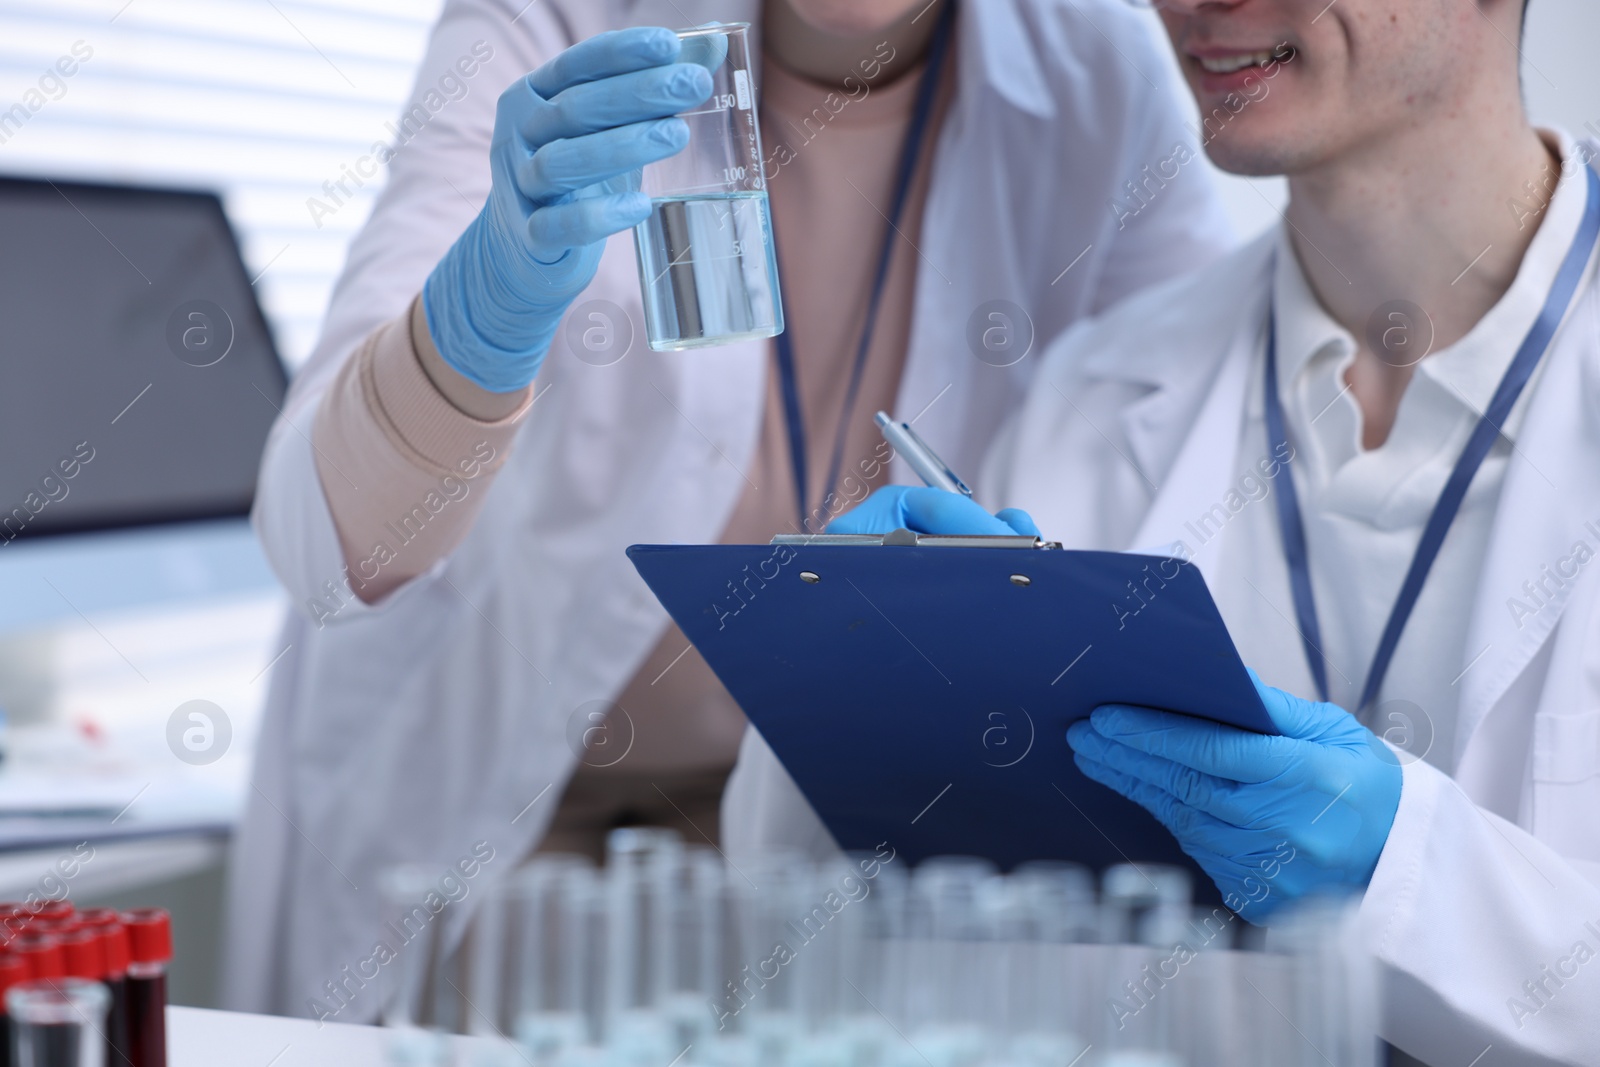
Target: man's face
1286	85
852	18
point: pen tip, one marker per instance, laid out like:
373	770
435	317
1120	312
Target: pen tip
882	418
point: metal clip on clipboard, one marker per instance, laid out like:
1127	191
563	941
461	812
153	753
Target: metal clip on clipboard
904	538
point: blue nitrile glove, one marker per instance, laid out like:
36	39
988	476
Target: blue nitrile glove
569	142
931	511
1270	819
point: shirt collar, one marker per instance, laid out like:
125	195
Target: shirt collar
1303	328
1469	370
996	48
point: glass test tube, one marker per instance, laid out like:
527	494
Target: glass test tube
774	928
1334	983
552	920
58	1023
641	866
695	962
836	919
13	972
1146	904
410	1046
1145	910
949	931
415	988
1055	907
881	980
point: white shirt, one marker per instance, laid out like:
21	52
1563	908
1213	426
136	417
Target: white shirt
1364	510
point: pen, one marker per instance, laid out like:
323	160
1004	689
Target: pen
924	460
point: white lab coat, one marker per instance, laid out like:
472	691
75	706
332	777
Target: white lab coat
1484	879
411	729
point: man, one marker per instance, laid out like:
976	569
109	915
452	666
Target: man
474	663
1388	402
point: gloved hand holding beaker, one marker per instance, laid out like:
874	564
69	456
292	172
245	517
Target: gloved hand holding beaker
569	143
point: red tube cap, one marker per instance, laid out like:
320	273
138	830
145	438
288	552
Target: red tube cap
13	971
80	951
149	935
107	922
42	953
13	923
55	909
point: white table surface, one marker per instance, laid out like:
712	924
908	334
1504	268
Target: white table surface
197	1037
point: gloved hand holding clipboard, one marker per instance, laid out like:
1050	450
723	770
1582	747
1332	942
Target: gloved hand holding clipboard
890	671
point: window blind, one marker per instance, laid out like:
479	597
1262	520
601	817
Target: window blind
260	100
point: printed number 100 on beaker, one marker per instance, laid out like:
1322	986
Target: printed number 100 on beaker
707	263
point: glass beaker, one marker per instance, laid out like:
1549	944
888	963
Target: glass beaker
708	267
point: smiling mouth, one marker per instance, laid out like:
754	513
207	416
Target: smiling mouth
1231	64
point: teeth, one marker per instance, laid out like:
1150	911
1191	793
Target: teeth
1229	64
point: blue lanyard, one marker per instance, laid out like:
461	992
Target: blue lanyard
1455	490
927	92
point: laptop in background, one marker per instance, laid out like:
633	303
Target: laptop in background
138	377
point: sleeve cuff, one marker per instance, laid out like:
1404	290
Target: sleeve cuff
415	415
1392	892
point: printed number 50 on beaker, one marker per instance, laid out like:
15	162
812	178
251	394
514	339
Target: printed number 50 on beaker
707	263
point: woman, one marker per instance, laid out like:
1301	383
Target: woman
473	659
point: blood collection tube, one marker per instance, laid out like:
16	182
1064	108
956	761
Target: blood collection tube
57	1023
100	917
59	927
42	953
44	964
149	953
13	971
114	975
14	919
80	953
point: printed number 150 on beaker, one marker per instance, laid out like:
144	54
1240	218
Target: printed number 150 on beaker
707	263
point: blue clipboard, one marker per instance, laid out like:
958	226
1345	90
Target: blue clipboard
918	689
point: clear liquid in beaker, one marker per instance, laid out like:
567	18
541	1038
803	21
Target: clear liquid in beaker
709	271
